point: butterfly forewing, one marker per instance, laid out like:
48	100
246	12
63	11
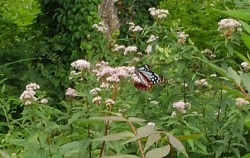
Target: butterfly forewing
147	78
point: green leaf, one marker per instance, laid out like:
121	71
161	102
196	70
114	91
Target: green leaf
177	144
142	132
238	14
121	156
75	117
246	26
247	121
241	56
245	77
154	137
190	141
135	119
3	89
116	136
246	39
110	118
4	154
19	142
246	156
233	74
216	68
158	152
72	147
190	136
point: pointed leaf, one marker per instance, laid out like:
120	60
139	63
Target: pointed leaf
154	137
75	117
142	132
121	156
190	141
246	156
247	121
246	26
241	56
4	154
190	136
245	77
177	144
233	74
135	119
116	136
238	14
110	118
72	147
246	39
216	68
158	152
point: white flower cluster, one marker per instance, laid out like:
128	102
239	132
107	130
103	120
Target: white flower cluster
148	49
245	65
126	49
119	47
134	28
100	27
228	27
180	106
240	102
109	102
158	13
201	82
80	64
130	49
182	37
228	23
152	38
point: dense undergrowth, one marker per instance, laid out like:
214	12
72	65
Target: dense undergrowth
68	86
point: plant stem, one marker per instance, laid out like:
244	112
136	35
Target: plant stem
105	133
138	141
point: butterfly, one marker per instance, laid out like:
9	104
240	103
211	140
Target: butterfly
147	78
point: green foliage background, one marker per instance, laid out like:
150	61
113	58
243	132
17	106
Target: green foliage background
40	39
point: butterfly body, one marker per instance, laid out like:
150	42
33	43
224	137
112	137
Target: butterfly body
147	78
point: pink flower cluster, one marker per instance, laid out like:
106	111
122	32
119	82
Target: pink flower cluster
109	74
28	95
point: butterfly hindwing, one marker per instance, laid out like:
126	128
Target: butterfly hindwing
147	78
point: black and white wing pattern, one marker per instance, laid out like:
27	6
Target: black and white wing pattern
147	78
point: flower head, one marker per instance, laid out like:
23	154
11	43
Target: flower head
201	82
130	49
97	100
119	47
228	27
134	28
152	38
44	101
240	102
32	86
100	27
158	13
245	65
80	64
149	49
71	92
109	102
95	91
182	37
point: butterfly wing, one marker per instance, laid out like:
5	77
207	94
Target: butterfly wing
147	78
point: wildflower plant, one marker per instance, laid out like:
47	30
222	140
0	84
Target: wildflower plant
201	110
